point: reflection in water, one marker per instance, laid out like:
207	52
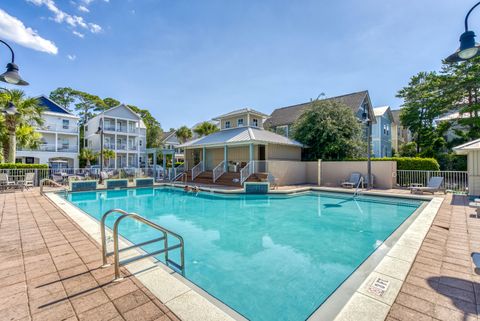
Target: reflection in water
269	257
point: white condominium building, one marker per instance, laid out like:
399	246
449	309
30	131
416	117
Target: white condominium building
60	138
124	132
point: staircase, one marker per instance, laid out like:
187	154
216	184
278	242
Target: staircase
226	179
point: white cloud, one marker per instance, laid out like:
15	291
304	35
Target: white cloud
78	34
71	57
83	8
14	30
61	16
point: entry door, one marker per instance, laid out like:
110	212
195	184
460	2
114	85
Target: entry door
261	152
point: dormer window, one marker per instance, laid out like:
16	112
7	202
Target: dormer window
227	124
240	122
255	122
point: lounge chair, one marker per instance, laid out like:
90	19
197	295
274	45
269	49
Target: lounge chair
28	181
273	181
434	185
353	180
5	182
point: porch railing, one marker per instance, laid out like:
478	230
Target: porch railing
218	171
246	172
197	170
452	180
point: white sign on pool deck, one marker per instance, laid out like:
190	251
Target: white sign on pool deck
379	286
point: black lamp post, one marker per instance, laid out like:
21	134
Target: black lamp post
368	122
100	132
468	47
11	76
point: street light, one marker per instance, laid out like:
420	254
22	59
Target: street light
100	132
468	47
11	76
368	122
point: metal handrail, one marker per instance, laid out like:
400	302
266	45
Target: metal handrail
116	250
48	180
197	170
246	172
165	250
103	236
360	181
218	171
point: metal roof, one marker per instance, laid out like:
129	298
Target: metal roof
239	136
464	148
51	106
241	111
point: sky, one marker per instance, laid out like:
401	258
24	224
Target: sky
188	61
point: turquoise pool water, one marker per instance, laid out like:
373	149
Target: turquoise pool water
268	257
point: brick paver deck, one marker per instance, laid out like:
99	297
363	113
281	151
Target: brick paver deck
49	270
442	284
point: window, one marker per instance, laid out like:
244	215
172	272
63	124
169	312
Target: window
86	128
240	122
65	123
255	122
227	124
140	142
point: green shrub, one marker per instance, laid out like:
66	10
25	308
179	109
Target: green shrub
409	163
22	166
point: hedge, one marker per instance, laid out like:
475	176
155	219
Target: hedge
22	166
409	163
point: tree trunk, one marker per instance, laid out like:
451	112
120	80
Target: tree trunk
12	140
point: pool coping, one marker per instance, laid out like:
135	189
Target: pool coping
190	302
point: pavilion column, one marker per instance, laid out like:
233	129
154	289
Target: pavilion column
251	156
204	157
154	156
164	163
225	158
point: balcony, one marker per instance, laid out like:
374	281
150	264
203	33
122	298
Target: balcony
67	148
109	146
132	147
59	128
51	148
121	146
110	128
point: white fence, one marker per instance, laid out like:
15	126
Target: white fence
452	180
64	175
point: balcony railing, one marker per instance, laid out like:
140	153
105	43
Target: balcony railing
109	128
109	146
67	148
51	148
59	128
134	147
121	146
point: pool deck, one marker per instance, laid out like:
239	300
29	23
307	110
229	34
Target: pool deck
49	269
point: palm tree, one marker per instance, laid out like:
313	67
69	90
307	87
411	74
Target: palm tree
108	154
88	155
183	134
19	127
205	128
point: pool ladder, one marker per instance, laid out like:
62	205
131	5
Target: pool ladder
116	251
360	181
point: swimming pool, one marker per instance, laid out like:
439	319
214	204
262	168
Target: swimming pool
269	257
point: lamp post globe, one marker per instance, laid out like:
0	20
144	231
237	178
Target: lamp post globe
468	47
11	76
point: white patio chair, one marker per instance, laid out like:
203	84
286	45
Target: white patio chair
352	181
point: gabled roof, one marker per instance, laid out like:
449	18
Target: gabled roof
239	135
240	112
110	110
166	135
288	115
396	116
51	106
381	111
465	148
